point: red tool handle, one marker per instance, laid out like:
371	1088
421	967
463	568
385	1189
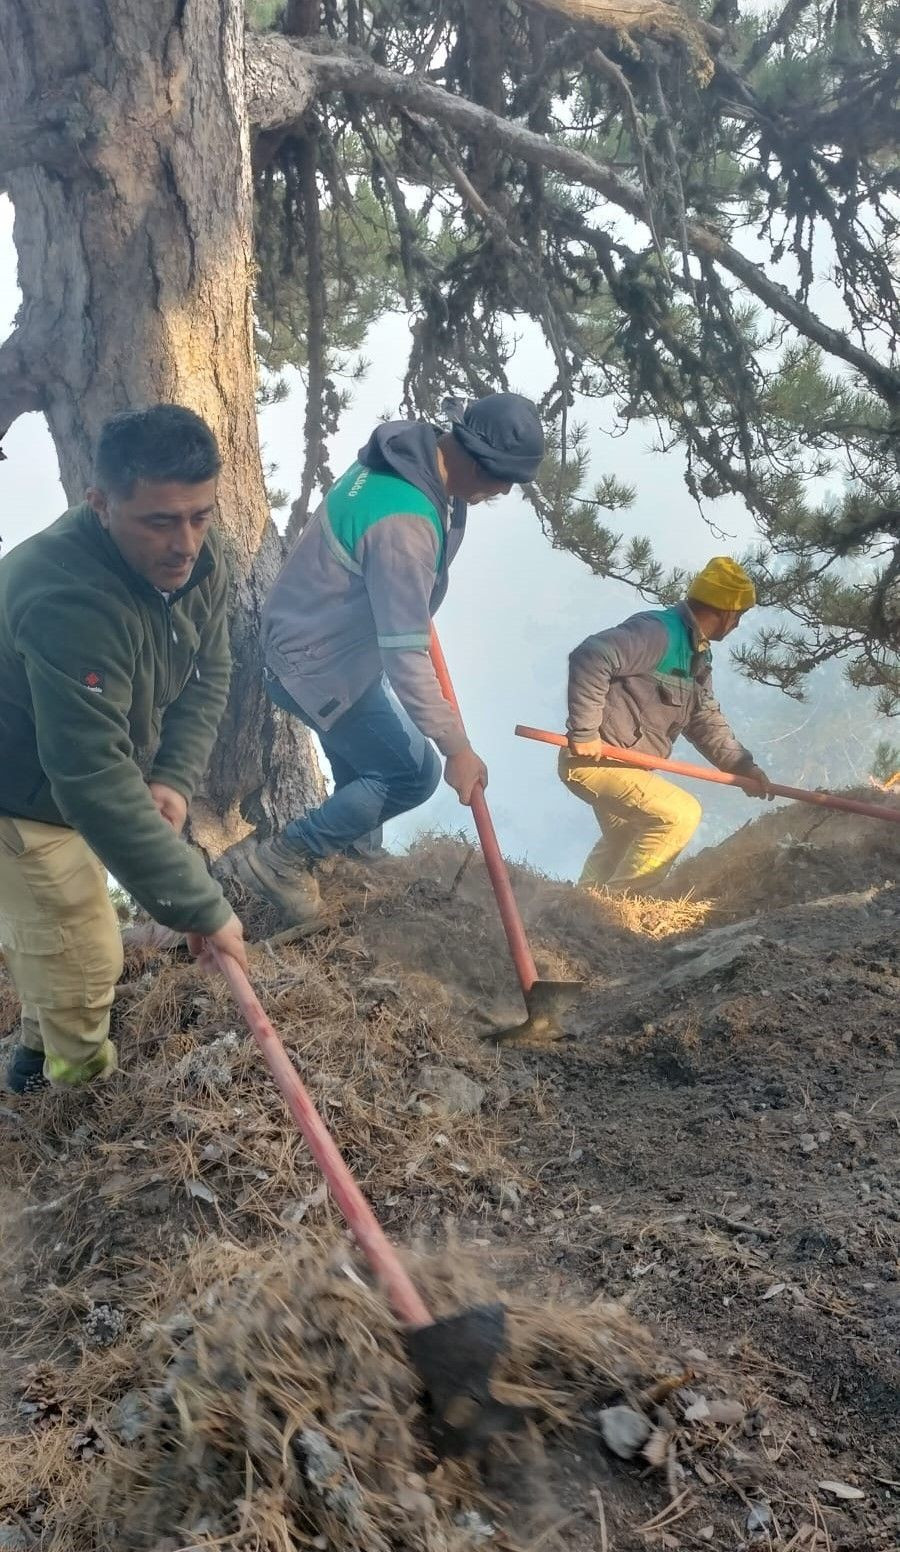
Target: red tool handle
519	947
652	762
367	1231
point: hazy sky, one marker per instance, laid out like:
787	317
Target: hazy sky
515	609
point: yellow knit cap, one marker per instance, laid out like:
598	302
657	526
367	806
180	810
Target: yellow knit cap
723	584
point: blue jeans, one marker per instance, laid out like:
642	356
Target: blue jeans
382	766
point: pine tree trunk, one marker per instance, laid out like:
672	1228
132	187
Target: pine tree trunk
134	238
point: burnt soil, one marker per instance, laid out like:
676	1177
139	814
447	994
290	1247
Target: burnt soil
713	1146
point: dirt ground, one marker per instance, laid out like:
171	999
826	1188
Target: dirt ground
691	1206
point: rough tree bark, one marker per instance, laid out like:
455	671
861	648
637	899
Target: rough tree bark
134	235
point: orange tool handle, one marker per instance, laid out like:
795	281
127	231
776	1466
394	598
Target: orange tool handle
652	762
519	947
367	1231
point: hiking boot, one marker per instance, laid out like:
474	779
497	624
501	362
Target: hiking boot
25	1073
282	875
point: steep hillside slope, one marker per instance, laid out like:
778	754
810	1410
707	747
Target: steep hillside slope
690	1206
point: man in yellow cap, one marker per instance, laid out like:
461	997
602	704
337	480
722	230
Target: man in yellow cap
639	686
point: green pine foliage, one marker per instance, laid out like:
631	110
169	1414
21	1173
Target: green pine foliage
774	134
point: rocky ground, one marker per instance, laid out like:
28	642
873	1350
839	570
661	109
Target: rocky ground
691	1206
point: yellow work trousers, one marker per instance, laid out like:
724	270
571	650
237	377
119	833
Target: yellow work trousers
62	946
645	822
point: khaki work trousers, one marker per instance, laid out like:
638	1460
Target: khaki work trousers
646	822
62	946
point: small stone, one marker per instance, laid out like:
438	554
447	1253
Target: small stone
841	1490
12	1539
129	1417
623	1430
807	1143
475	1525
759	1519
458	1094
200	1191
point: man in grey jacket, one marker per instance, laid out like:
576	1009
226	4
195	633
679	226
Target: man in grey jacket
639	686
350	615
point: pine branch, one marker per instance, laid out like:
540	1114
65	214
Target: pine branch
779	32
291	73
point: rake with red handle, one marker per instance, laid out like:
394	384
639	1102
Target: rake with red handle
545	1001
652	762
453	1357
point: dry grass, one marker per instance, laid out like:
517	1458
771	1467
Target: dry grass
648	917
169	1243
281	1409
277	1401
168	1236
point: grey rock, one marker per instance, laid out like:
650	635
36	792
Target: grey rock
323	1462
719	956
759	1519
12	1538
129	1418
713	937
210	1066
458	1094
475	1525
326	1471
623	1430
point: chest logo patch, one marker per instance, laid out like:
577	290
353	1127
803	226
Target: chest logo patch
93	680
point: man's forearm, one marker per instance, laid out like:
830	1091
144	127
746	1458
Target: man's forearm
189	731
414	682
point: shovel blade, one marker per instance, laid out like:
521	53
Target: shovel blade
454	1358
546	1002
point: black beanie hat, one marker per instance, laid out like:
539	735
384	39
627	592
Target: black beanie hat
504	436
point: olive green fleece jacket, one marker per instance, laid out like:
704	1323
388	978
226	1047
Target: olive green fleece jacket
105	685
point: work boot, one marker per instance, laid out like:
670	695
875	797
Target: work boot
25	1073
282	875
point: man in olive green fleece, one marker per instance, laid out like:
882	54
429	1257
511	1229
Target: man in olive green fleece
114	670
